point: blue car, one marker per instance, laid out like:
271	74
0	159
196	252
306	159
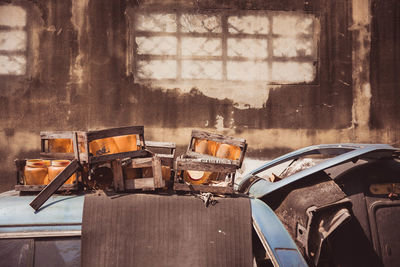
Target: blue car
108	229
339	202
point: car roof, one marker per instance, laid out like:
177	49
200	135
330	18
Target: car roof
60	216
343	153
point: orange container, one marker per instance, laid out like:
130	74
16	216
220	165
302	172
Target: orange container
126	143
103	146
61	145
35	172
58	166
228	152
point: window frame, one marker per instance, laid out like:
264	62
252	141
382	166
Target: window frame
133	57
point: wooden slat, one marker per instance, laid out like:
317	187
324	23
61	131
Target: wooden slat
57	155
209	158
157	173
118	175
203	188
94	135
219	138
56	135
141	162
242	153
38	188
130	154
141	183
55	184
185	164
156	144
166	160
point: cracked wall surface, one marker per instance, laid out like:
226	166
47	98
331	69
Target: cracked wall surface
79	75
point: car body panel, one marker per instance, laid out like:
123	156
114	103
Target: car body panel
274	236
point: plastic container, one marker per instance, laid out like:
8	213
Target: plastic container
126	143
228	152
61	145
35	172
103	146
58	166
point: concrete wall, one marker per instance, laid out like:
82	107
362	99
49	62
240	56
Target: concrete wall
77	77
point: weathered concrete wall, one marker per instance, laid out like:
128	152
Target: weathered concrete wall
77	77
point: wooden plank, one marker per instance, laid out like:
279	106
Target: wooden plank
141	183
75	145
203	188
38	188
56	134
100	134
54	185
20	165
141	162
219	138
118	175
204	166
157	173
166	160
110	157
57	155
209	158
156	144
242	153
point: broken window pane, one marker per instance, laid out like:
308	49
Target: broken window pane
248	24
155	22
201	46
12	40
156	69
250	48
156	45
293	47
12	64
195	69
292	72
200	23
12	16
247	71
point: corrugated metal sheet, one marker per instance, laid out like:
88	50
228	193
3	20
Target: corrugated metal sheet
155	230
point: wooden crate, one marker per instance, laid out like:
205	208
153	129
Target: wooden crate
48	136
84	139
22	187
195	161
122	181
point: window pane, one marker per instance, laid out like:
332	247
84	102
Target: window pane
293	47
156	69
156	45
250	48
12	65
155	22
12	40
247	71
12	16
16	252
65	252
195	69
292	24
200	23
292	72
200	46
248	24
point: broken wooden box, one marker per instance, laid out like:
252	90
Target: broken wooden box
210	163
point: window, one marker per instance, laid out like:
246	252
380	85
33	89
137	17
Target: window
13	40
267	46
